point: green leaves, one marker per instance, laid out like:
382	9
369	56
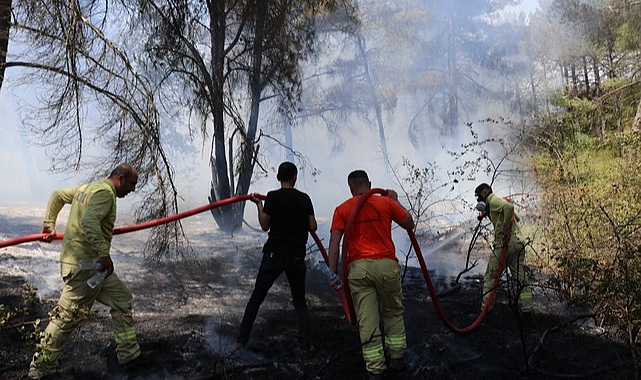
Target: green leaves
592	212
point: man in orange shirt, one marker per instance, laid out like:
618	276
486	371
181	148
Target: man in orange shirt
374	273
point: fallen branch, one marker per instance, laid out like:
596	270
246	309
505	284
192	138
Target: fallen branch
92	317
26	323
545	334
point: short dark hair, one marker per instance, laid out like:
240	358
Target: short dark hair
357	178
125	169
482	187
286	171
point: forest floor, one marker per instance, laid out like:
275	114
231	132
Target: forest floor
188	311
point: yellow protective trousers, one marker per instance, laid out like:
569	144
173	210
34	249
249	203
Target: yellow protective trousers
74	306
515	262
371	281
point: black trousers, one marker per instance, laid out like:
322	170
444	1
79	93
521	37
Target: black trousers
270	268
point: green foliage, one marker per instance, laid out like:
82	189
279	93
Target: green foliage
579	115
628	36
580	126
5	315
33	332
592	203
14	317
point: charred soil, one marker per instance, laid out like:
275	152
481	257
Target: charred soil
187	316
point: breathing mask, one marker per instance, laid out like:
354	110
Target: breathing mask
482	207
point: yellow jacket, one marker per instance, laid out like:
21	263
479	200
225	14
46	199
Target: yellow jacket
91	220
501	212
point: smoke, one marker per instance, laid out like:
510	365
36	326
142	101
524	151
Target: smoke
411	129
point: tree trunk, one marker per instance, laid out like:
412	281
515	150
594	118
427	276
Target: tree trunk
533	102
597	76
565	77
220	183
375	101
586	76
451	106
636	125
5	26
611	65
257	84
575	86
618	113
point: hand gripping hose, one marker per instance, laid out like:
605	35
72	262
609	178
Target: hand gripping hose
419	255
137	227
153	223
343	295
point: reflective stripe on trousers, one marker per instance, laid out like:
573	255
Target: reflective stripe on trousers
515	262
371	281
373	353
74	306
396	343
125	336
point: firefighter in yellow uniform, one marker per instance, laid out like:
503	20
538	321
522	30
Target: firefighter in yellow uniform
501	213
87	239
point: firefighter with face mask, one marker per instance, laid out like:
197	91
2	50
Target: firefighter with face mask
506	231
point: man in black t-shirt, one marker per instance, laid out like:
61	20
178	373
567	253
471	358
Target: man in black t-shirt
288	215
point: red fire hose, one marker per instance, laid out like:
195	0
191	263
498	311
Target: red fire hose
343	294
153	223
137	227
424	270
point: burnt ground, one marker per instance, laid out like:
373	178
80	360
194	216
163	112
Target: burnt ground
187	315
188	311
